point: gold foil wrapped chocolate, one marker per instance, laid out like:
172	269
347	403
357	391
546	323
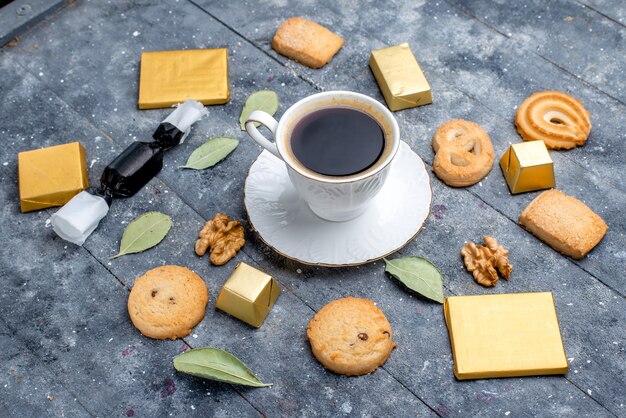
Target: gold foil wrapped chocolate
248	295
400	77
51	176
504	335
170	77
527	166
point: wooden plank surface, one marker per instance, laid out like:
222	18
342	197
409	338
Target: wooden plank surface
17	16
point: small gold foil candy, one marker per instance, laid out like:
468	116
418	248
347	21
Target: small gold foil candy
400	77
248	295
51	176
527	166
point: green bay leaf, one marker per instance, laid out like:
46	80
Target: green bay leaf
418	274
210	153
144	232
215	364
265	100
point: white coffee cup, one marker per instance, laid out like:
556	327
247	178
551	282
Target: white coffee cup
334	198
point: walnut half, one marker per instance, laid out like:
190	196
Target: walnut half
500	256
486	261
223	236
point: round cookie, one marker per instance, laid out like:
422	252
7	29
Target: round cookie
167	302
350	336
556	118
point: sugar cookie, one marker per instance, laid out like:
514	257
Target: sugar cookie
564	223
306	42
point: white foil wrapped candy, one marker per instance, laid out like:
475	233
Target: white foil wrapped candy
185	115
79	217
125	175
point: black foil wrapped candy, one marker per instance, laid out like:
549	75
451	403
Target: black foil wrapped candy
131	170
125	175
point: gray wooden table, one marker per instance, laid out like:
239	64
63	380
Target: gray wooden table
67	347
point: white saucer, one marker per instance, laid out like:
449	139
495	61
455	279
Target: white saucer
287	225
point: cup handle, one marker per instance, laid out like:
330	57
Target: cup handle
270	123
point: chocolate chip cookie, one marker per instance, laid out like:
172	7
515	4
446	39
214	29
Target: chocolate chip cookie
351	336
167	302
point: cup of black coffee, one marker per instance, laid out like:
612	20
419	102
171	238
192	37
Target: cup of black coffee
337	146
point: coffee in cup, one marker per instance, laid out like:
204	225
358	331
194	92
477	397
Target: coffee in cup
337	141
337	146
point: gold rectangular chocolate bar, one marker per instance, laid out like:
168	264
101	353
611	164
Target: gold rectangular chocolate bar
170	77
504	335
248	295
400	77
51	176
527	166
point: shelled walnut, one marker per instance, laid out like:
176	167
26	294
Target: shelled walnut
222	236
500	256
486	261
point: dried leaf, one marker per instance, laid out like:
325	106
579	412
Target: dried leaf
417	274
265	100
144	232
210	153
215	364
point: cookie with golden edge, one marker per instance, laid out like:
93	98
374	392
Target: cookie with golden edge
564	223
167	302
306	42
351	336
463	153
558	119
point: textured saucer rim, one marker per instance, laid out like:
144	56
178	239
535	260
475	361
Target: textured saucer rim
359	263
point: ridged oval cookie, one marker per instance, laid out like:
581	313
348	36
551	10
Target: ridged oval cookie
350	336
167	302
557	118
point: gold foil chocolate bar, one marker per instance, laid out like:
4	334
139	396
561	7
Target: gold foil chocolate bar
170	77
248	295
527	166
504	335
51	176
400	77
